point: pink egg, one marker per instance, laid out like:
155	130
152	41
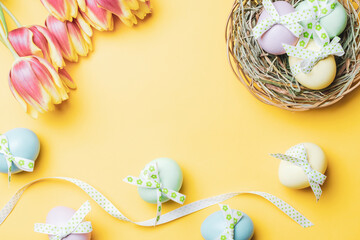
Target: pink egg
272	40
61	215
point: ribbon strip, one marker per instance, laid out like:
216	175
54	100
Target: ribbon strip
320	9
104	203
74	225
149	178
232	217
22	163
311	58
298	156
290	21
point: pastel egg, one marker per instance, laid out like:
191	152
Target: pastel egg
271	41
293	176
323	73
170	176
334	23
61	215
214	225
22	143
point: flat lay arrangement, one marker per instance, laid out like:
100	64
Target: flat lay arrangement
123	150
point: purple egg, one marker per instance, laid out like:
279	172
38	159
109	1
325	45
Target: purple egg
61	215
272	40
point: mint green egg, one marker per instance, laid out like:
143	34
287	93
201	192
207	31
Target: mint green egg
334	23
170	175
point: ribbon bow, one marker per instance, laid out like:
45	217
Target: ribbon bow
320	9
149	178
232	217
298	156
311	58
290	21
22	163
74	225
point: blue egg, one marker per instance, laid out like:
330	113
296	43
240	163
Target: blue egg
22	143
215	224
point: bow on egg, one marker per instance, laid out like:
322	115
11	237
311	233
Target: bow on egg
74	225
313	27
290	20
22	163
311	58
232	217
298	156
149	178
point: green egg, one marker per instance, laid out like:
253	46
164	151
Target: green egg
334	23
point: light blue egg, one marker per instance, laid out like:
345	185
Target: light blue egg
214	225
22	143
170	175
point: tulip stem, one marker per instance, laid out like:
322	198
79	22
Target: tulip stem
4	33
16	21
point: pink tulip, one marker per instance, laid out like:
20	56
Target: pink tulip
36	40
36	85
72	37
63	9
97	17
121	8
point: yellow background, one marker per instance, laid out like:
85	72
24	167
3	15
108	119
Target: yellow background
165	89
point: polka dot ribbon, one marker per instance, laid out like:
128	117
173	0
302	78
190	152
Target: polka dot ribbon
290	21
22	163
74	225
232	217
149	178
320	9
311	58
109	207
298	156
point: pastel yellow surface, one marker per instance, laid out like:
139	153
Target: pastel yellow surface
165	89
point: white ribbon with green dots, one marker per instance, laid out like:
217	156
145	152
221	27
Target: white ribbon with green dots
149	178
311	58
22	163
232	217
320	9
104	203
74	225
298	156
290	21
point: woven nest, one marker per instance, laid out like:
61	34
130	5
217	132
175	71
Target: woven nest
269	78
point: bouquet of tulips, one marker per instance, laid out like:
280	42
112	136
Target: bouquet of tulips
37	78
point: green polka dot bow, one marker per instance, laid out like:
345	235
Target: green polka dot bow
298	156
149	178
232	217
74	225
320	8
22	163
311	58
290	21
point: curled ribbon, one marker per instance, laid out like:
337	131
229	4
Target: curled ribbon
298	156
290	21
320	9
74	225
232	217
311	58
149	178
22	163
109	207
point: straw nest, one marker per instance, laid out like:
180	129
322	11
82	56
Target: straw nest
269	78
